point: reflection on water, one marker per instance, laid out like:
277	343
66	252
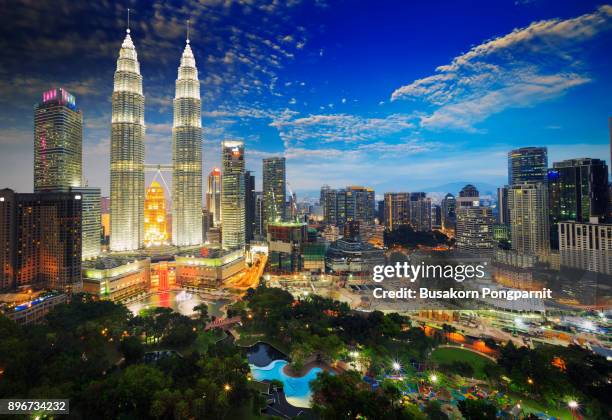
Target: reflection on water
180	301
262	354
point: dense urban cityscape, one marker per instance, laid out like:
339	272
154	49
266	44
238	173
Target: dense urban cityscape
204	297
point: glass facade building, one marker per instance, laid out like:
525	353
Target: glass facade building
274	189
232	194
527	164
187	155
213	196
528	208
58	141
577	190
127	152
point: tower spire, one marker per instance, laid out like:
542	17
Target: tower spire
128	21
188	22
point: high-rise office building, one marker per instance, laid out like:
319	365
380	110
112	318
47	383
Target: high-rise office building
40	240
259	217
578	191
449	212
503	211
586	245
249	206
397	210
436	216
420	212
58	142
528	208
380	211
127	152
474	231
527	164
468	197
187	154
91	220
213	196
360	205
274	189
156	232
349	204
232	194
329	203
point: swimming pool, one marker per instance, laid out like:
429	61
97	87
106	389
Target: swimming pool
297	390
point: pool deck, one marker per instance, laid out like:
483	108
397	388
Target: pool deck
281	407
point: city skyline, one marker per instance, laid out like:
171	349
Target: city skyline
417	132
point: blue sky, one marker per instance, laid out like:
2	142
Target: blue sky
399	96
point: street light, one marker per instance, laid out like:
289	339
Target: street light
433	378
227	387
573	405
396	366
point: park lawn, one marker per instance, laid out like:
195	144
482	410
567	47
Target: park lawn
447	355
533	406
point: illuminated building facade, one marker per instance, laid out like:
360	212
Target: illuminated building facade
528	208
156	232
420	212
577	191
209	268
40	240
58	141
117	278
587	246
285	247
274	189
187	155
527	164
468	197
232	194
213	196
449	213
127	152
474	231
91	221
397	210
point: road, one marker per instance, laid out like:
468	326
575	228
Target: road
249	277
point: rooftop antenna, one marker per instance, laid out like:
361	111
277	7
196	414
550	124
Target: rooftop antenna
128	21
188	22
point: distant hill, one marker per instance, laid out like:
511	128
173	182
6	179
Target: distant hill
455	187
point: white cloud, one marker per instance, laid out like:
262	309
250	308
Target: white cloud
527	66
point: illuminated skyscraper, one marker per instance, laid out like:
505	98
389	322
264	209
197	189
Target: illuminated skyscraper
187	155
232	194
40	240
527	164
397	210
127	152
449	213
474	231
528	208
213	196
58	142
274	189
156	232
577	191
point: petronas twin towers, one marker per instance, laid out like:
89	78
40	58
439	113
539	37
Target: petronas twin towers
127	153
